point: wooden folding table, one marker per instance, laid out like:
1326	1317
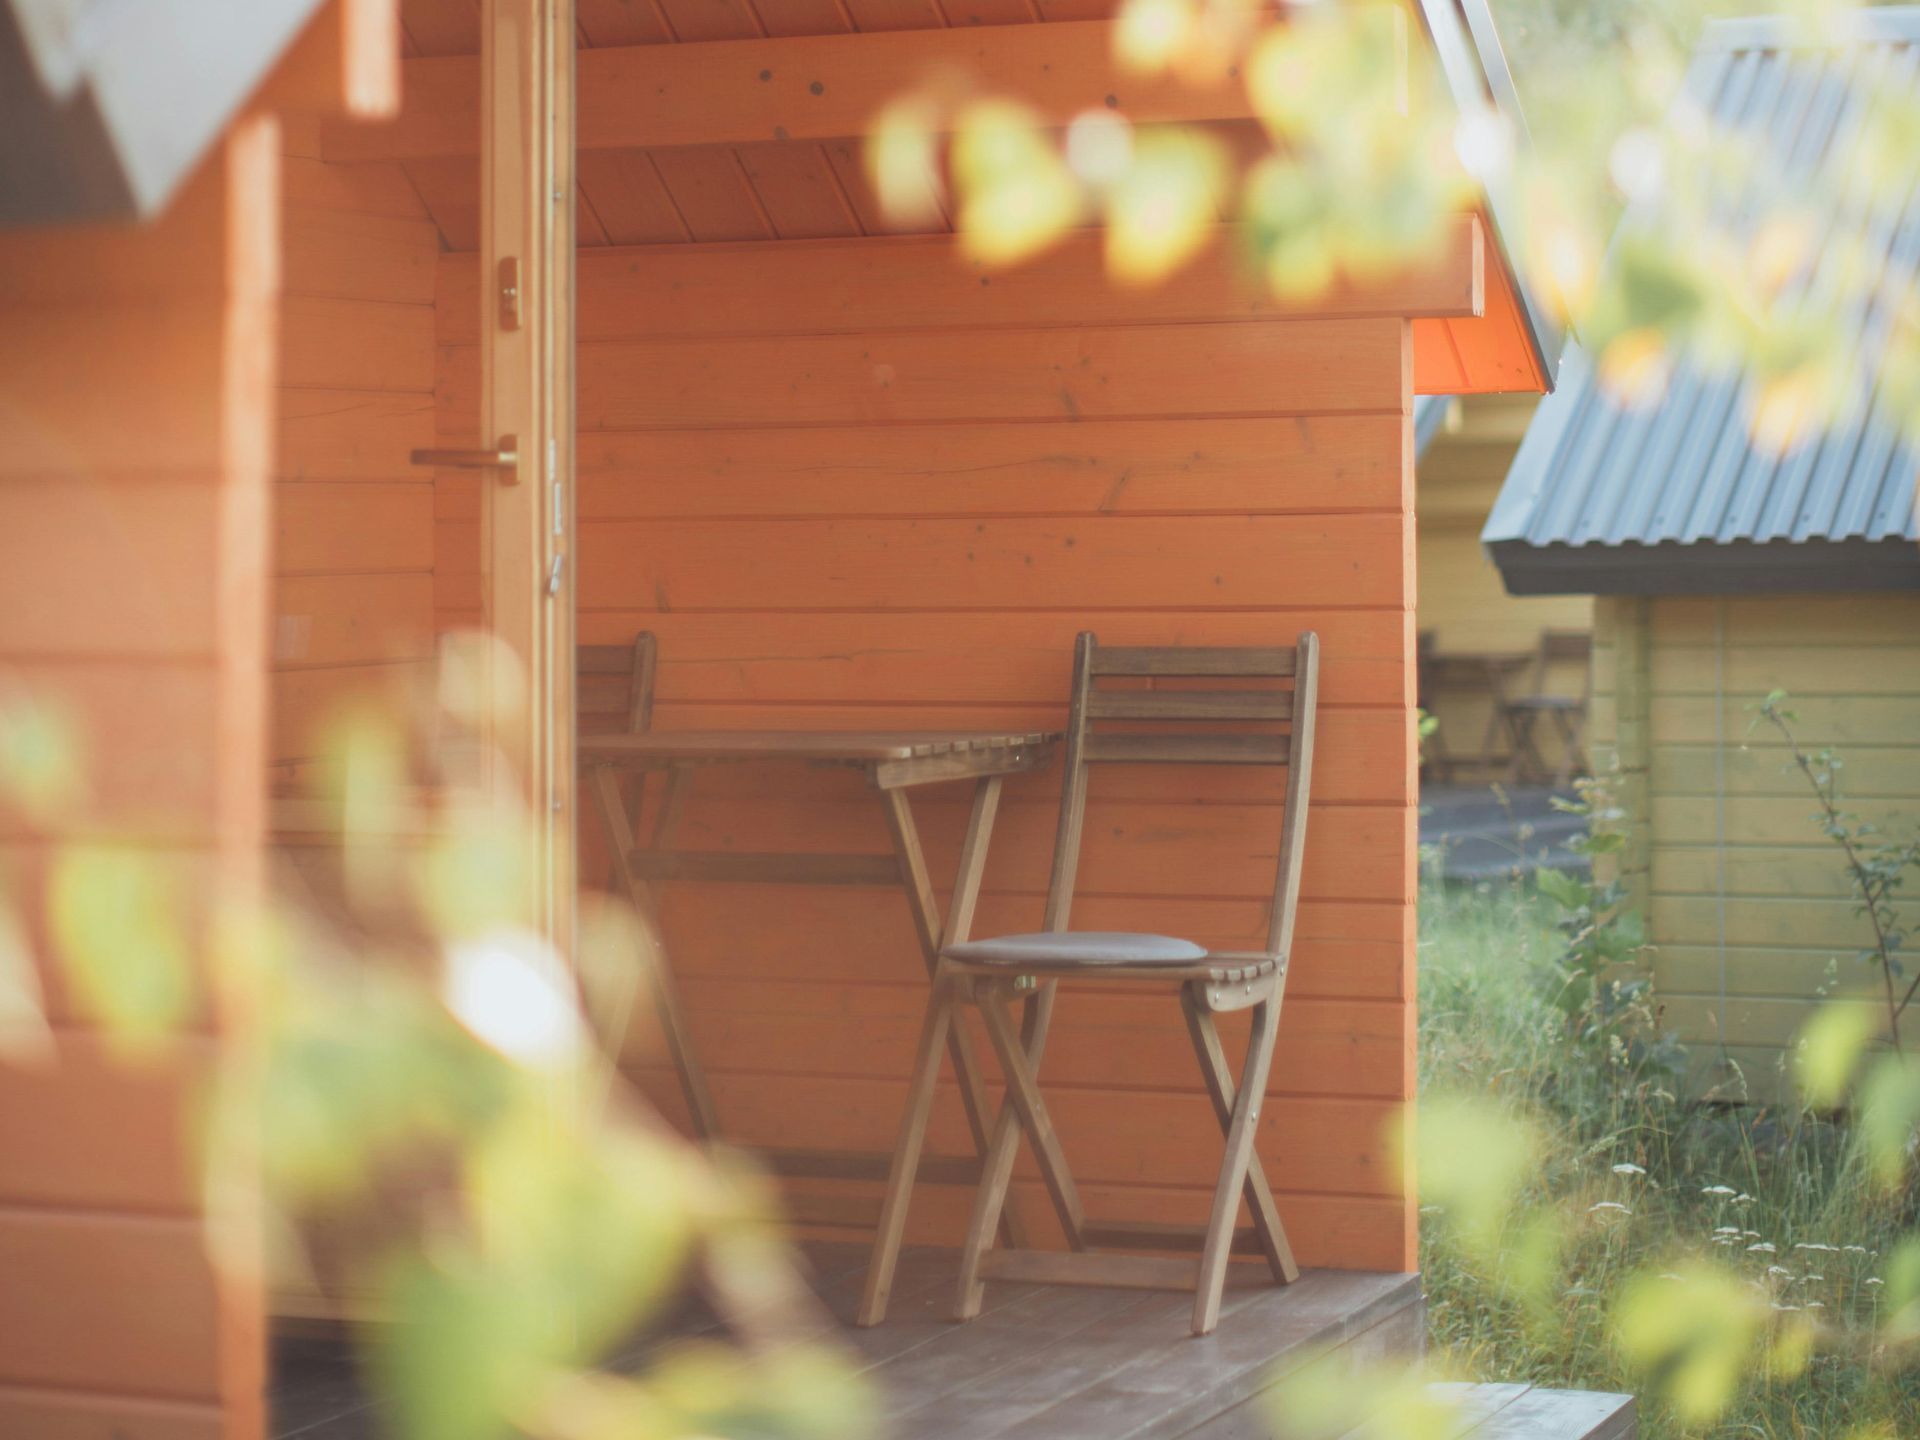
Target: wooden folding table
893	763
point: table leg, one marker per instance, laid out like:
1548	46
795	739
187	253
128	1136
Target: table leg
612	805
925	908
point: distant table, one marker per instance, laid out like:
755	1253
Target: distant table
1486	672
892	762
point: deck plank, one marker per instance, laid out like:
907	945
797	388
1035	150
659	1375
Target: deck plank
1059	1362
1563	1415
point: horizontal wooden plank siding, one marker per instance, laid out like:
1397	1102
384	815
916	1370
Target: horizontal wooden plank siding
836	510
136	382
353	536
912	282
1749	902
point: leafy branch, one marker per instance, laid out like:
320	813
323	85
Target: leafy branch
1875	868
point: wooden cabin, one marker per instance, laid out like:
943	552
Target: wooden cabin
845	479
1723	569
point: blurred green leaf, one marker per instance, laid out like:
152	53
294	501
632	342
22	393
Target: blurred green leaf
1564	889
1692	1334
42	763
115	912
1471	1158
1828	1051
1889	1114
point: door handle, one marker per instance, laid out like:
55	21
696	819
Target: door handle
506	456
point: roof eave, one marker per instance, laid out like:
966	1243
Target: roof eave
1475	66
1737	568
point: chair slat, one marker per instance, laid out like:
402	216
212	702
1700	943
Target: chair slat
1198	660
603	694
1186	749
1190	705
605	659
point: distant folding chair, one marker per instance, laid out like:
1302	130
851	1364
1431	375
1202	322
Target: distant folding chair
1520	714
1126	724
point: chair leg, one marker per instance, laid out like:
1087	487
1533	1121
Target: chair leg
1221	1090
906	1155
996	1167
1023	1103
1234	1164
1023	1091
1573	751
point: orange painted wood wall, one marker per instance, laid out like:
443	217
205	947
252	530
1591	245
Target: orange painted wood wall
883	523
353	558
136	369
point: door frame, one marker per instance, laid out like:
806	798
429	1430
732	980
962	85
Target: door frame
527	391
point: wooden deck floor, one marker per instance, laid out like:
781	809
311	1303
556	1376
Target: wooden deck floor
1041	1361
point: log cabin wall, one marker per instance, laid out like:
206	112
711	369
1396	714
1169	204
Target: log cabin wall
851	484
353	595
1746	901
136	367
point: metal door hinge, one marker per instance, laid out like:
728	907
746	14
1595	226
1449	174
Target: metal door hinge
553	577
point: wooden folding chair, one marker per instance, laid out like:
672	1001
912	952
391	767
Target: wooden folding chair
1127	724
1520	714
616	685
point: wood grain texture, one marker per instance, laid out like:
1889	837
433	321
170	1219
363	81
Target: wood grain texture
354	535
922	282
1306	367
814	87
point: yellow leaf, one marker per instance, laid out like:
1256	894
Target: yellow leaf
903	162
1017	195
1150	35
1161	212
1635	366
1787	410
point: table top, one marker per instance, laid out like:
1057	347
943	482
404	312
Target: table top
847	746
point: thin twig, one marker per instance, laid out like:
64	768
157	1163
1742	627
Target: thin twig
1856	868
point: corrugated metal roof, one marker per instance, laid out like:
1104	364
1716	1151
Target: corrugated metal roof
1679	481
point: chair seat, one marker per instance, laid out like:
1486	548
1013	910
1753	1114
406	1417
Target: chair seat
1074	949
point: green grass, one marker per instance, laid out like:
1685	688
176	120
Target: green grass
1487	1030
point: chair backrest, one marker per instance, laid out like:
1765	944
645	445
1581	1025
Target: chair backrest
616	686
1191	706
1564	647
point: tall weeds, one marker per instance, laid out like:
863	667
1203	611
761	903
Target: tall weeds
1631	1181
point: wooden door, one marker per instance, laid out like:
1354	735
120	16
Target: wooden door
527	253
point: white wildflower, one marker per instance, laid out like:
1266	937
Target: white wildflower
1609	1205
1718	1190
1761	1247
1779	1270
1627	1168
1873	1280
